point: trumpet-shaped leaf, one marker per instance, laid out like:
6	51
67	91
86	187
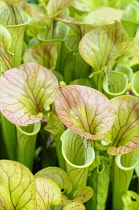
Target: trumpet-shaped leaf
56	7
42	53
125	69
103	45
100	187
5	43
48	194
123	168
14	19
124	134
24	91
122	178
59	176
11	12
115	83
84	110
17	186
79	155
74	206
26	142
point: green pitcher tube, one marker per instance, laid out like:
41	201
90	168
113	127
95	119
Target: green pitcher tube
123	169
99	180
26	142
17	35
78	155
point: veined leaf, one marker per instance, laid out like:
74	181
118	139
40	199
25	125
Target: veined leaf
80	6
42	53
11	13
26	7
59	176
5	43
24	91
74	206
56	7
104	15
84	110
124	134
48	194
83	194
103	45
17	186
53	32
112	3
80	28
38	12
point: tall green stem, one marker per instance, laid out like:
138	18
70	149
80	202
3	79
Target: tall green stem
99	180
26	142
122	178
9	137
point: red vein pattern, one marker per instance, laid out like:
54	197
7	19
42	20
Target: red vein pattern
19	183
42	53
58	175
11	13
74	206
80	28
84	110
55	7
24	91
5	43
124	134
48	194
103	45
